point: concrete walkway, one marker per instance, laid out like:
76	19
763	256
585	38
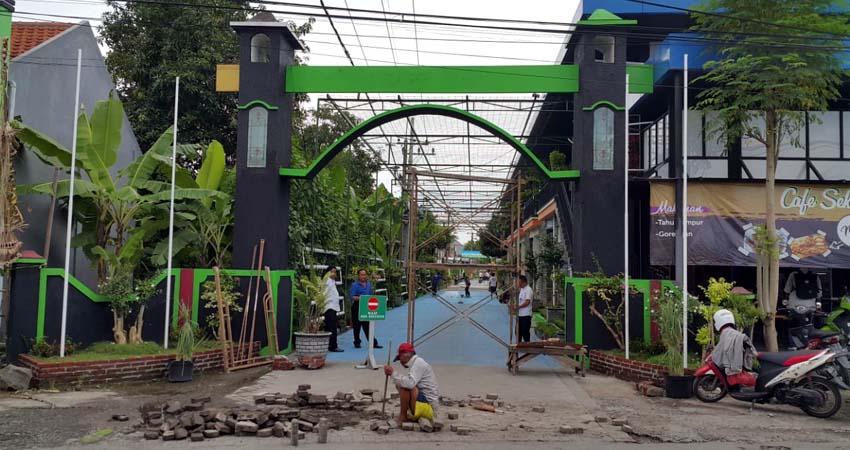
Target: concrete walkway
460	344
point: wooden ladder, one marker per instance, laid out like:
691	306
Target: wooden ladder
269	312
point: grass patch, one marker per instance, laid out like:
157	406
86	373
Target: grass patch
694	360
97	436
109	350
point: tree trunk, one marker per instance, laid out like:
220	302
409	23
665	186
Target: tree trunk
135	332
771	283
118	328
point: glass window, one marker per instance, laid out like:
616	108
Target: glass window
258	119
824	134
791	170
832	170
788	149
708	168
603	49
715	140
603	139
751	147
260	48
694	133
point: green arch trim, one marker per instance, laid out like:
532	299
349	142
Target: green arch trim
257	102
415	110
603	103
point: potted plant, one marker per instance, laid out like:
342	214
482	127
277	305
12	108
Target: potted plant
669	318
180	369
311	344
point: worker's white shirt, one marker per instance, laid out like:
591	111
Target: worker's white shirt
421	375
331	295
525	294
492	281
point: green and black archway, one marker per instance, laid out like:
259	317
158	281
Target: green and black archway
418	110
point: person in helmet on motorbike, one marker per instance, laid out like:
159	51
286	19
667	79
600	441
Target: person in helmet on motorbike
734	352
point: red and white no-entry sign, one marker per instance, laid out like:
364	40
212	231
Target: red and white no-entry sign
373	304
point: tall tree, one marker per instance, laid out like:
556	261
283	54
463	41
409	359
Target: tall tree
775	59
152	43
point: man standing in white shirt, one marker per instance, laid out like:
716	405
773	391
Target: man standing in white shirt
523	309
492	283
332	308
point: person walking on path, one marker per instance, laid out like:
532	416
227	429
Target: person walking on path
360	287
332	308
523	309
418	391
435	283
493	283
466	284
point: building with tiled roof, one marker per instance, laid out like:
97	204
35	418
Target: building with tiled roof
28	35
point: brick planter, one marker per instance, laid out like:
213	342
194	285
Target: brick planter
628	369
312	349
135	369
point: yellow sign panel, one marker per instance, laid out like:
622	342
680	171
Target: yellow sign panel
227	78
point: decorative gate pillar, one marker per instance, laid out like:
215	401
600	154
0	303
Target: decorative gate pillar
598	137
266	48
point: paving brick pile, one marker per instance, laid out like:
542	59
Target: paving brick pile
274	415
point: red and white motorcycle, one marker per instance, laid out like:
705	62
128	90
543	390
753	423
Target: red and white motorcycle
792	378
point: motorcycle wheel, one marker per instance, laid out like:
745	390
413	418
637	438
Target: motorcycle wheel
709	389
832	398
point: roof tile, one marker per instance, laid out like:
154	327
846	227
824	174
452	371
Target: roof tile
27	35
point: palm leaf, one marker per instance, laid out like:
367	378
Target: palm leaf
106	123
140	170
43	146
212	169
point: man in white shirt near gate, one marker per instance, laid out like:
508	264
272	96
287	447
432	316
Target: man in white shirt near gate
523	309
331	308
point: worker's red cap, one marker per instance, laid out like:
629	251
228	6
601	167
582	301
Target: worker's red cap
404	347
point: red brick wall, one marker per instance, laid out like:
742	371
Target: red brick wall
141	368
627	369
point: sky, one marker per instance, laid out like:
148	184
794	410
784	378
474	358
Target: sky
396	43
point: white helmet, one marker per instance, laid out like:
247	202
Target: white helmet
722	318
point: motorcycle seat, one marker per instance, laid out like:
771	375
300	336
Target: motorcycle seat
787	358
816	333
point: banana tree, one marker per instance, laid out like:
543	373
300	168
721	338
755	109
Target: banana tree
111	209
204	225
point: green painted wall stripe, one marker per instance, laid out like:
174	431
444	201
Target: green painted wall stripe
580	284
604	103
432	79
257	103
200	276
30	261
423	109
641	78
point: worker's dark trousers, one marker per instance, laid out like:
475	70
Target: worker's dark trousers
332	326
357	324
524	329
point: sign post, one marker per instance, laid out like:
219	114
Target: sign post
372	308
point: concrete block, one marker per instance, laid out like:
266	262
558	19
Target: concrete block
197	437
627	429
463	431
452	415
563	429
600	419
619	422
407	426
246	427
383	429
151	435
265	432
453	428
304	387
492	396
538	409
210	434
426	425
180	434
373	426
168	435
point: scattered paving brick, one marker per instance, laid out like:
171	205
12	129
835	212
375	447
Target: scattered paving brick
627	429
180	434
151	435
120	418
570	430
538	409
463	431
265	432
619	422
492	396
197	437
452	415
601	419
210	434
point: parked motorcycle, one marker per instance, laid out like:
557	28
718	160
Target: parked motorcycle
791	378
803	335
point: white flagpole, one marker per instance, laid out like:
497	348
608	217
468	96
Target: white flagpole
685	216
171	217
70	210
626	216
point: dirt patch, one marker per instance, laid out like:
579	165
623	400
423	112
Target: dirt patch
54	426
691	421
